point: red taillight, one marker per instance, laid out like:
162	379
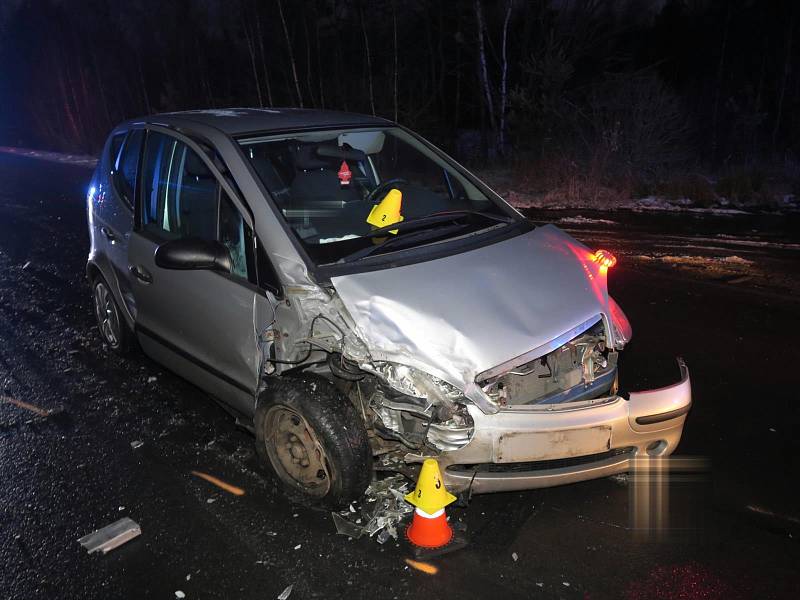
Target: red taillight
605	259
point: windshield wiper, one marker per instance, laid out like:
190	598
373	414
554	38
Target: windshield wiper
435	218
408	239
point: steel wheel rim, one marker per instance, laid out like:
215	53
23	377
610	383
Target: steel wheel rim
106	312
296	452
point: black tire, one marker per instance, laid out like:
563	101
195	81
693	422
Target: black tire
329	460
111	324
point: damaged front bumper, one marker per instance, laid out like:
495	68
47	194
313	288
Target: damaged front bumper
528	447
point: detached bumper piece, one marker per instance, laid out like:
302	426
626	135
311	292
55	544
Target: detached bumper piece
111	536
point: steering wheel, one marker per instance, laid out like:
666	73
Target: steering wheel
383	187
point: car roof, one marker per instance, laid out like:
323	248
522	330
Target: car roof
238	121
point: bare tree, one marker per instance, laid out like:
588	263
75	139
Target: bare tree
394	37
787	67
291	54
369	59
483	71
251	50
504	80
260	37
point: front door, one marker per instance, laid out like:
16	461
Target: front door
198	323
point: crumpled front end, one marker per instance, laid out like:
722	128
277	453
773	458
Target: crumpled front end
500	362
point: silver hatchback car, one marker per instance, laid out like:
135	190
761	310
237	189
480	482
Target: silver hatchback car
353	295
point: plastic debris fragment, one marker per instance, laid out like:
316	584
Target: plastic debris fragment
286	592
111	536
379	512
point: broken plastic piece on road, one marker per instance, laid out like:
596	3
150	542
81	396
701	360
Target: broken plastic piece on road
179	594
30	407
136	444
381	509
111	536
152	379
426	568
286	592
345	527
236	491
515	556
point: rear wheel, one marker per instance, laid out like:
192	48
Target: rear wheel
313	440
112	326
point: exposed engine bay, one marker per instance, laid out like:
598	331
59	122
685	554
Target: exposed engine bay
583	368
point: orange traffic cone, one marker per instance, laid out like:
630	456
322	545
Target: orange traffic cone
429	531
429	528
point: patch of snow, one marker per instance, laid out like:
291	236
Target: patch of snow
227	112
81	160
581	220
737	259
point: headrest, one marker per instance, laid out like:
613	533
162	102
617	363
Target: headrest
305	158
195	167
344	152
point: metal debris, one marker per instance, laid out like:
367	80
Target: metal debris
136	444
179	594
379	513
286	593
111	536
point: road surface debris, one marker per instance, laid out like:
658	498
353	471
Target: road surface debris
111	536
379	511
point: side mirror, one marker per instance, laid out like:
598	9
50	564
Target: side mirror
194	253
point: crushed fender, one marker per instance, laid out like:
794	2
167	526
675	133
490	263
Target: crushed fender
111	536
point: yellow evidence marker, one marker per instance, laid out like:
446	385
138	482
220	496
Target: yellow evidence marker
430	494
387	212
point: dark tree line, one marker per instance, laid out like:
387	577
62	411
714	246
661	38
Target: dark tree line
632	84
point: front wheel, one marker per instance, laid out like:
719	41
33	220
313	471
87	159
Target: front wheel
314	440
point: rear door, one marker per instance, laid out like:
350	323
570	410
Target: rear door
113	215
198	323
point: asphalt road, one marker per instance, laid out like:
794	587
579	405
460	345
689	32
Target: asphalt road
728	531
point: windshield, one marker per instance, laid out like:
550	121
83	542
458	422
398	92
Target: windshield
335	188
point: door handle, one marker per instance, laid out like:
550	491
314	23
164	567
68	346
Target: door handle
140	274
108	235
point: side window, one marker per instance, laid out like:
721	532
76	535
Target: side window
181	198
128	165
179	193
237	237
113	152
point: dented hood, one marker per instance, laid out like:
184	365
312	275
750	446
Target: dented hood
458	316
